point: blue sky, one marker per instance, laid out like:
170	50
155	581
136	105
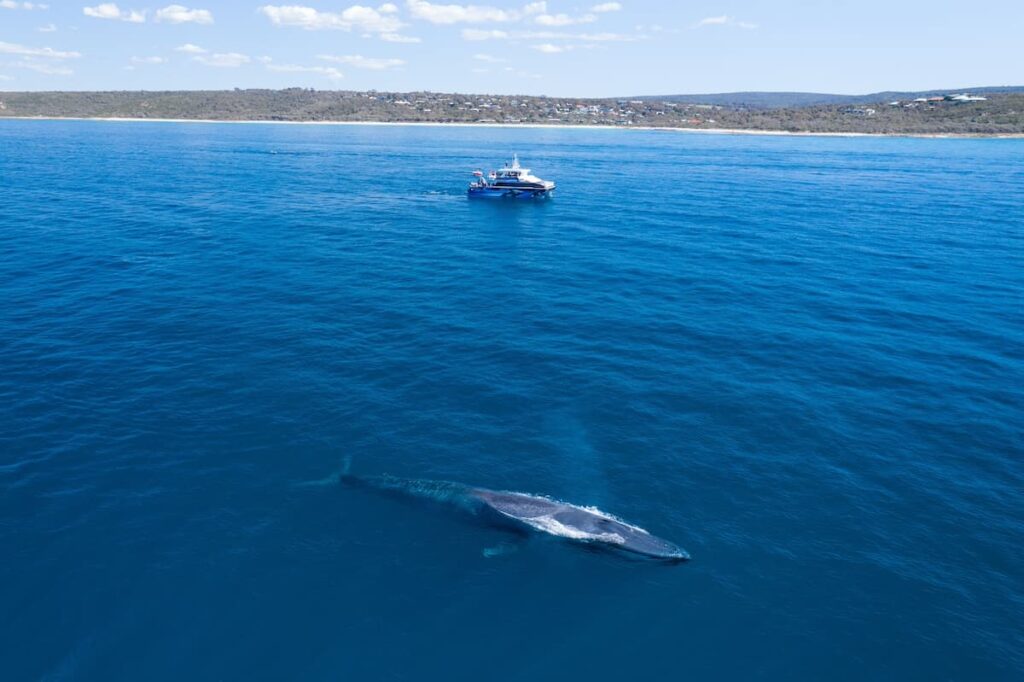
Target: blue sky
557	47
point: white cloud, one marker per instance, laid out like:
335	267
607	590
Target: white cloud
470	14
380	20
398	38
723	20
477	34
47	28
454	14
4	77
328	71
361	62
606	7
48	52
490	59
548	48
189	48
148	60
44	67
109	10
11	4
223	59
564	19
713	21
586	37
178	14
480	35
373	20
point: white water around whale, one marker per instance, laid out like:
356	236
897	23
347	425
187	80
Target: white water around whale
549	523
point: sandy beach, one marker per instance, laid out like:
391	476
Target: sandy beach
705	131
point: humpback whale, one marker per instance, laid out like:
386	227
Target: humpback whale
533	513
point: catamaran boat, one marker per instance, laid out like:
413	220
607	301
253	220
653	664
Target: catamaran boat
510	182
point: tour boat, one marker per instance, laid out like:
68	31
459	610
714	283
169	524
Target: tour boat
511	182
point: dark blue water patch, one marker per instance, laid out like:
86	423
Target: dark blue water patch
798	358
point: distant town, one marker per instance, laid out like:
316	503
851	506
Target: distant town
992	113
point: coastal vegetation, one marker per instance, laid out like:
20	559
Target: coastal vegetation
997	113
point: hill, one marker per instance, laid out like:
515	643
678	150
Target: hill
778	100
995	114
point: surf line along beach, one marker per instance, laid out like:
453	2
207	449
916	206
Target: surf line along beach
553	126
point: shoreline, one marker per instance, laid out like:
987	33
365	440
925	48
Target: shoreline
467	124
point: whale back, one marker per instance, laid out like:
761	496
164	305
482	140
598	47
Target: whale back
585	524
544	514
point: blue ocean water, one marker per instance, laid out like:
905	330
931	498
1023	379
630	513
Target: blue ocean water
802	359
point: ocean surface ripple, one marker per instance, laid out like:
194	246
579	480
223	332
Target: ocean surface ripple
801	359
